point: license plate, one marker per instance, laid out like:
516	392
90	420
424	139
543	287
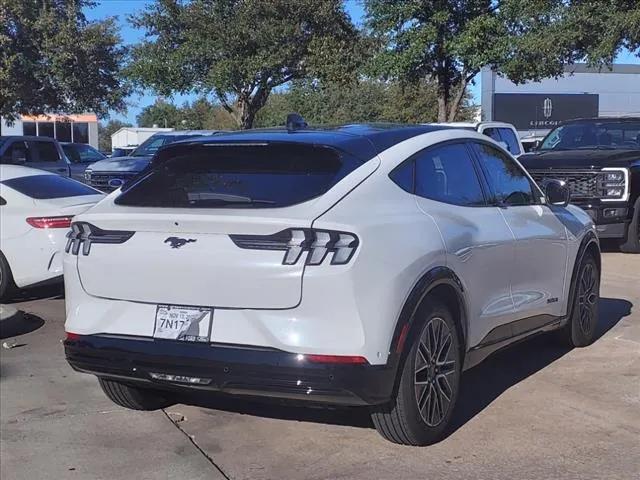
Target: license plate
188	324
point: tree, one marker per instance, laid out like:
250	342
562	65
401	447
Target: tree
53	60
449	41
105	132
160	114
367	100
240	50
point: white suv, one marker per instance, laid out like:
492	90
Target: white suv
360	265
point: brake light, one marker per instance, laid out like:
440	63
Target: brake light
295	241
50	222
72	337
339	359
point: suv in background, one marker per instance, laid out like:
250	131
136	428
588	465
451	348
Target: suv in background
600	160
111	173
40	152
503	133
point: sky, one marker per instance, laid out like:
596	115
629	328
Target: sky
121	9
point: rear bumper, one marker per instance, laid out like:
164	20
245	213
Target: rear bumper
230	369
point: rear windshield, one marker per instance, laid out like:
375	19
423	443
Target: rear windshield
43	187
150	146
240	176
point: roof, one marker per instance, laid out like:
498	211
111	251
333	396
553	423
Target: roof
360	140
8	172
603	119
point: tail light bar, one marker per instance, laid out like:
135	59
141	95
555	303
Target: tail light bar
295	241
50	222
83	234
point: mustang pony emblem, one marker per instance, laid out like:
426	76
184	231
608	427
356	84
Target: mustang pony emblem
179	242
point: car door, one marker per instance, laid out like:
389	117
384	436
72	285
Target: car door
479	245
45	155
540	265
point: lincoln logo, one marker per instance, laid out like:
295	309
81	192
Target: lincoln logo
547	107
179	242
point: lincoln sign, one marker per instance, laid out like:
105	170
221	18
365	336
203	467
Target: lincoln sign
529	111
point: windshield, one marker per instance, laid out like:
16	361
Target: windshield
82	153
150	146
586	135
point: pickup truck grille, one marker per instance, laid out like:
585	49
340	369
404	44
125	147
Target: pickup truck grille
100	180
582	183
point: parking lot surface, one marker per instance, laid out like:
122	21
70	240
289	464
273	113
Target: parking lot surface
536	410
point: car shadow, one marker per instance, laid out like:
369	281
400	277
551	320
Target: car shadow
51	291
480	385
19	324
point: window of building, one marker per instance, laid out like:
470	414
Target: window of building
63	131
81	132
46	129
29	128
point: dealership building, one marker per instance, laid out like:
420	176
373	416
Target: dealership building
536	107
81	128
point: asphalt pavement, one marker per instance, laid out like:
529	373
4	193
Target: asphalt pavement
536	411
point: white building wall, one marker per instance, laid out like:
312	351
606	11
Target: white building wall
132	137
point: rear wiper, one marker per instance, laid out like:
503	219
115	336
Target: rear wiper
226	199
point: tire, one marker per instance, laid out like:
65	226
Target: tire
420	413
7	286
134	398
632	242
580	330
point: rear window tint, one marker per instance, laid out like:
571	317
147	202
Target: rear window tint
43	187
240	176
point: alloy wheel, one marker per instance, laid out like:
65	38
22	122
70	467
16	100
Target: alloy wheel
435	365
587	298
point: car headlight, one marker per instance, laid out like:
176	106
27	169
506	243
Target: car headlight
87	174
614	184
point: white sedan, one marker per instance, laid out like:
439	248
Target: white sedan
36	209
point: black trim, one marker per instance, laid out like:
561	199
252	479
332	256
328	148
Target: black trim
58	279
231	369
505	335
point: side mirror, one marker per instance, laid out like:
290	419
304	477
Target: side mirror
557	192
18	156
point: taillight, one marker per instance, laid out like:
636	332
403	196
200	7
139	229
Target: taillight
295	241
83	234
50	222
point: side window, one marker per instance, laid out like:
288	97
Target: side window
2	201
16	154
511	140
509	183
446	174
402	176
493	133
44	152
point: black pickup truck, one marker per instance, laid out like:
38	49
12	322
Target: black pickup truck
599	158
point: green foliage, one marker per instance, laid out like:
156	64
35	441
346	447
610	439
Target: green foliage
449	41
365	101
105	132
240	50
52	59
160	114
